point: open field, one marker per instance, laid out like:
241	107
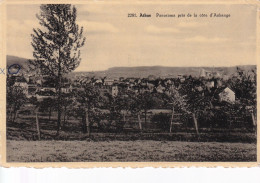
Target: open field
142	151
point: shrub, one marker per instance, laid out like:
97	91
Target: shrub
162	120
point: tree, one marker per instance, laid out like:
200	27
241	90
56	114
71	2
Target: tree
176	100
147	102
86	101
67	103
119	107
136	107
198	102
15	98
244	84
47	104
56	45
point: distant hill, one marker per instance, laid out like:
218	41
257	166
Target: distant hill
161	71
10	60
142	71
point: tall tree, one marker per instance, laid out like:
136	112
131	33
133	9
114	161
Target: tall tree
56	45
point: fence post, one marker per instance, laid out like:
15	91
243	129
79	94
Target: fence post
139	121
195	123
124	117
87	123
38	125
172	119
254	122
253	118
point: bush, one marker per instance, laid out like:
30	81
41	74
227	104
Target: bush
162	120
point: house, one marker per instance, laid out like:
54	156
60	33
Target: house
160	89
202	73
182	80
150	86
180	76
114	91
23	85
227	95
98	81
43	94
209	74
21	82
108	82
210	84
152	77
198	88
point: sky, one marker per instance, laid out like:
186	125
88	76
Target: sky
114	40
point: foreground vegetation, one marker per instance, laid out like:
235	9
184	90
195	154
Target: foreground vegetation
141	151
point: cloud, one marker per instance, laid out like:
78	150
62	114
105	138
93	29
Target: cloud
157	30
98	27
202	39
17	28
91	8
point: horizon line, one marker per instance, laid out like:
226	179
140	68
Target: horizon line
201	66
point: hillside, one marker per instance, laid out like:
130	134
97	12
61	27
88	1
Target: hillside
16	60
160	71
142	71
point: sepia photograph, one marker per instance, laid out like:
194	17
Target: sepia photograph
131	82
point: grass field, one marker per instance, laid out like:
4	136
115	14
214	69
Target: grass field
140	150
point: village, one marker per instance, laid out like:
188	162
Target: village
135	101
44	87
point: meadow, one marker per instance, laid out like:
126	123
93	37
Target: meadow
216	145
130	151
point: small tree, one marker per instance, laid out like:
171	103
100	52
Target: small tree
146	102
56	45
198	102
67	103
136	107
47	104
86	101
15	98
176	100
244	84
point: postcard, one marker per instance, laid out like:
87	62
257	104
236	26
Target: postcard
129	83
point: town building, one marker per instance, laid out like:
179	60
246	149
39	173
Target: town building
227	95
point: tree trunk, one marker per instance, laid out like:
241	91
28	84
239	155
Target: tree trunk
139	121
171	119
38	125
124	119
59	92
14	115
9	114
253	119
87	122
195	123
50	113
64	117
254	123
84	128
59	111
145	115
